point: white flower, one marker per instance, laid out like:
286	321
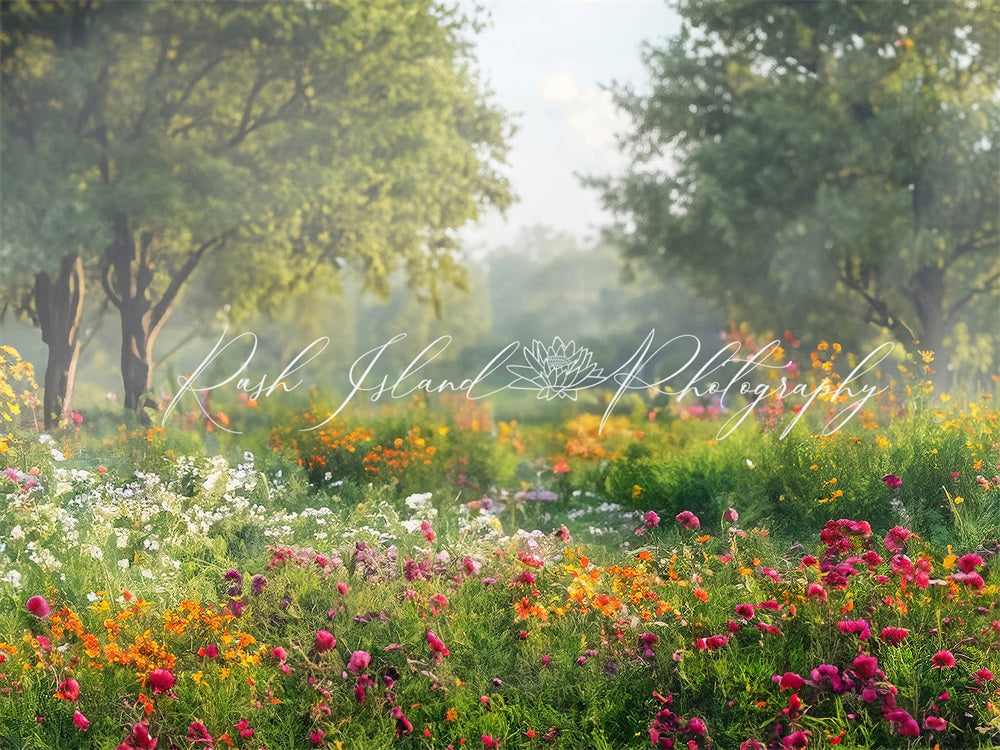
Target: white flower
44	439
13	577
57	455
123	563
17	532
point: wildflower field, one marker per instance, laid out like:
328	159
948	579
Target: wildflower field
429	576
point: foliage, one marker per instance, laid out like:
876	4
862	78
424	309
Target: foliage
272	142
835	151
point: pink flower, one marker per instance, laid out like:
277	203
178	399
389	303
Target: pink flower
696	726
359	661
161	680
936	723
909	728
746	611
80	721
943	659
731	515
403	725
562	534
984	675
797	740
38	607
892	481
76	416
651	519
816	589
896	537
324	641
437	646
969	562
342	588
279	653
69	689
489	742
243	727
859	626
688	520
865	666
198	733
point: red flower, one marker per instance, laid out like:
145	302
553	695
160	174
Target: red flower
791	681
161	680
324	641
943	659
38	607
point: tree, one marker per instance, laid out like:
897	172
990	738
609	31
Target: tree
49	226
812	162
270	143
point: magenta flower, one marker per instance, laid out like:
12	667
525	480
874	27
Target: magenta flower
688	520
69	690
896	537
936	723
859	626
324	641
892	481
359	661
746	611
80	721
651	519
161	680
437	646
943	659
969	562
984	675
893	636
865	666
38	607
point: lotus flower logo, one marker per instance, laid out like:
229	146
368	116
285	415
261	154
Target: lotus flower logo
560	370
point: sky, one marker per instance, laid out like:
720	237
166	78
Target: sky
547	61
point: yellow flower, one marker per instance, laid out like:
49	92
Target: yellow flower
636	491
926	356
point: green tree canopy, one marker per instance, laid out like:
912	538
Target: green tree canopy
269	143
816	163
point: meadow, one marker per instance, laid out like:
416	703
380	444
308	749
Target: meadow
431	576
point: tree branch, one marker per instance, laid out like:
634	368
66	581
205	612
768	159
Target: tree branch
988	286
903	333
162	308
106	269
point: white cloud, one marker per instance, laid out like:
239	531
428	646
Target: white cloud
558	85
588	112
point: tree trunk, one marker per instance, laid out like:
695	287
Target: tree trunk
126	274
927	289
137	354
59	307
